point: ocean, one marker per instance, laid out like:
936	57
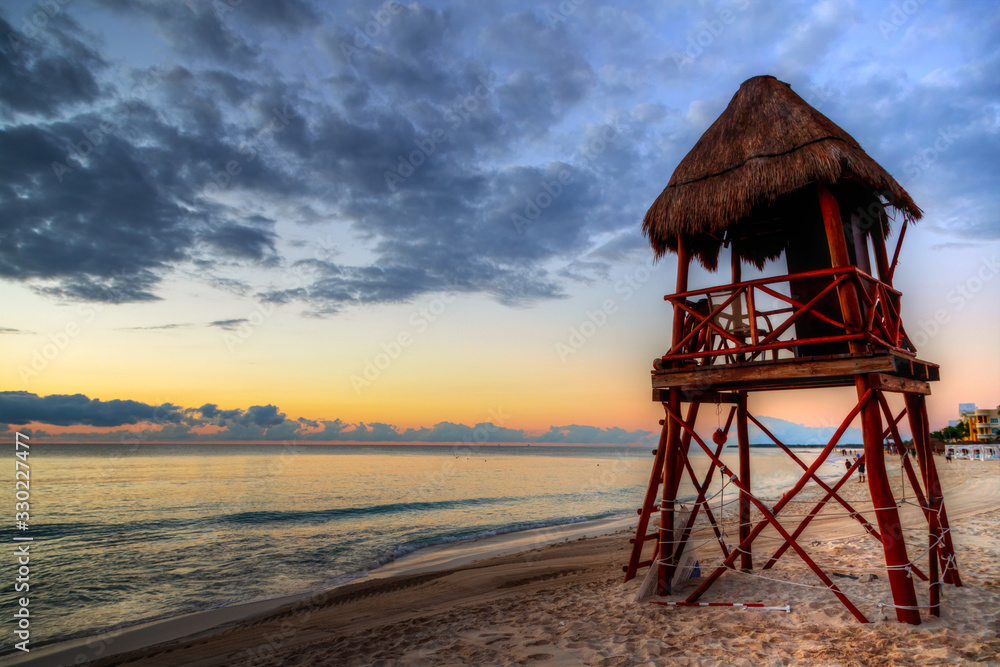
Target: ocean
126	534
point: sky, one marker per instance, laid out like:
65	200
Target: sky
248	220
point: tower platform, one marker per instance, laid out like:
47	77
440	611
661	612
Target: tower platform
889	371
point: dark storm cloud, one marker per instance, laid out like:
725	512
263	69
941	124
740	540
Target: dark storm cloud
263	416
100	206
21	407
182	151
256	416
197	28
288	15
102	232
441	136
48	71
240	241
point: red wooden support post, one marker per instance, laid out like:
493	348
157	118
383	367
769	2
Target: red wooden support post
682	284
671	485
847	292
926	459
742	431
881	255
671	473
655	477
903	595
917	412
702	488
895	255
896	560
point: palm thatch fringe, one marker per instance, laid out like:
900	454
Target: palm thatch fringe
768	143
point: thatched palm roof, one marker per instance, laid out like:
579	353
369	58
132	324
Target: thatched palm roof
751	170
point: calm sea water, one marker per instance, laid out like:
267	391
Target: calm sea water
125	535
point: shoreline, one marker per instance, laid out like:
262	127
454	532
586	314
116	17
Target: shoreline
429	559
554	596
405	559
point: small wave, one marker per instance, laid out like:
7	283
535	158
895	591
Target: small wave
408	549
310	516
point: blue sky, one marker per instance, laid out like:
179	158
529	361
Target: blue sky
251	204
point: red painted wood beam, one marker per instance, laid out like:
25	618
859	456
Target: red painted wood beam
903	595
648	502
670	470
743	437
815	511
699	502
917	410
831	493
770	518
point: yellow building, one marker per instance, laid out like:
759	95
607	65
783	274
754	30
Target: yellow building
984	423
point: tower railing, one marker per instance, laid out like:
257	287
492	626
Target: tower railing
755	320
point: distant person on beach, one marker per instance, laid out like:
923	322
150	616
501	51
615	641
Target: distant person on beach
861	471
847	463
947	456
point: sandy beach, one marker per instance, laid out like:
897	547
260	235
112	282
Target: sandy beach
565	604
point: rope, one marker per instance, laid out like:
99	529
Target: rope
906	567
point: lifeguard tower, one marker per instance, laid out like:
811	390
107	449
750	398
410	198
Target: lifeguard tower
774	177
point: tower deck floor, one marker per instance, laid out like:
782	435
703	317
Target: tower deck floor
889	372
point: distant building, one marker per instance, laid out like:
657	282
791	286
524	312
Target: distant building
984	423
